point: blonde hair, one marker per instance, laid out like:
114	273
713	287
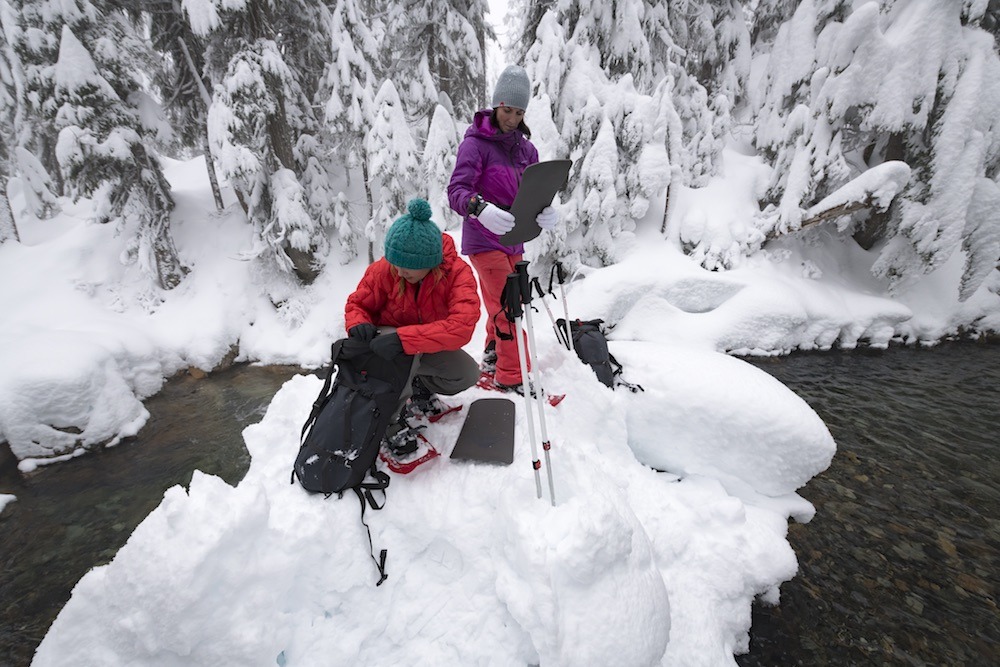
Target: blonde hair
437	272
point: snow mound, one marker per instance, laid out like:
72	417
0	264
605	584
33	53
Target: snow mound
60	393
631	566
709	414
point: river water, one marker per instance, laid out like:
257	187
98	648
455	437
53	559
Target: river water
70	517
899	566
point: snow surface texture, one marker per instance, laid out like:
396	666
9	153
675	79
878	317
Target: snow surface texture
632	567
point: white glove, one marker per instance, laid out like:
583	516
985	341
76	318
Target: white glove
548	218
496	219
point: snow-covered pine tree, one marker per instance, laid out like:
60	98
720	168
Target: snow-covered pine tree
712	48
346	226
20	170
850	88
766	17
179	76
105	142
439	161
10	99
258	116
437	46
33	183
600	211
525	19
583	60
35	40
347	97
393	165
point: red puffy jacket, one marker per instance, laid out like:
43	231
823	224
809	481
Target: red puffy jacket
440	315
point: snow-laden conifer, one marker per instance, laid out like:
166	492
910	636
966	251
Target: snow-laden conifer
434	47
106	126
257	120
179	77
346	95
393	164
915	81
580	65
439	161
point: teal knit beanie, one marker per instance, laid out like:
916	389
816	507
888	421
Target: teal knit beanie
414	240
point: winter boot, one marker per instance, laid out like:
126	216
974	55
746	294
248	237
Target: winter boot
488	366
424	404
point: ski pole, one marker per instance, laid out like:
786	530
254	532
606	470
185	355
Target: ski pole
560	334
525	289
511	303
562	291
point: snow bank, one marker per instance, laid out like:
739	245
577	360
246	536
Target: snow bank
631	567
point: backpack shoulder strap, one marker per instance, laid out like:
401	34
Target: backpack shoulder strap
619	380
324	392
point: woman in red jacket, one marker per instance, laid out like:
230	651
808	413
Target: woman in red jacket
419	299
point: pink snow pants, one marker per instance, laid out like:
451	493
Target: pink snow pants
492	267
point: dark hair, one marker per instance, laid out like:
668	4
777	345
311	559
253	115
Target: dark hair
521	126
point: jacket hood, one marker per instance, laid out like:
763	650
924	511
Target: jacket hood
482	128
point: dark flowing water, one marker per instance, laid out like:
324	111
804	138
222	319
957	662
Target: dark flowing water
899	567
70	517
901	564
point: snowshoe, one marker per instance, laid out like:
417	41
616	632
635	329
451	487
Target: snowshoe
406	449
490	382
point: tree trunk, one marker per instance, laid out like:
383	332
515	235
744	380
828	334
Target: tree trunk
206	146
51	164
169	270
371	205
156	190
8	228
873	228
210	168
666	212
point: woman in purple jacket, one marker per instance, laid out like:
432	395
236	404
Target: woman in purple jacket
491	158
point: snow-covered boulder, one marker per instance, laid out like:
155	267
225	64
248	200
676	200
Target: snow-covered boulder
710	414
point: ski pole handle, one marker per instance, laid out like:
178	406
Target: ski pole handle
524	282
510	300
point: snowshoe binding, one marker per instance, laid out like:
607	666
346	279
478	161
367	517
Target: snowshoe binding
424	405
405	450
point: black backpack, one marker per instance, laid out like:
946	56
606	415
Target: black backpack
591	345
341	438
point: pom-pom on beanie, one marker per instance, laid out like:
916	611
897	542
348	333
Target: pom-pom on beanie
513	88
414	240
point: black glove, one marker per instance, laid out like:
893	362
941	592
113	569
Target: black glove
387	346
364	331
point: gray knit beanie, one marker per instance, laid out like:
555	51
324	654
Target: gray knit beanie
513	88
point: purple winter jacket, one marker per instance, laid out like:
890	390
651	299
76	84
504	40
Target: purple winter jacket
490	163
